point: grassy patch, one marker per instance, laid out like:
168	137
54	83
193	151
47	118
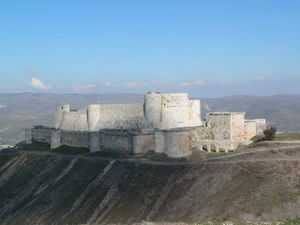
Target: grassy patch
111	154
290	136
70	150
292	222
64	149
34	146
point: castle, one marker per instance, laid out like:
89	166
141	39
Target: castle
164	123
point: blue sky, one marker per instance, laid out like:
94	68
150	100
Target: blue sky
207	48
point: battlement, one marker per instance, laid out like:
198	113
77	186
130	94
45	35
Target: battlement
164	123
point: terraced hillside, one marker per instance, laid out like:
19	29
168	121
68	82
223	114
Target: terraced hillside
58	189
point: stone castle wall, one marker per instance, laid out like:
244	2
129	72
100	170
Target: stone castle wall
220	125
41	134
250	129
161	111
238	126
167	111
74	120
174	143
75	138
96	117
164	123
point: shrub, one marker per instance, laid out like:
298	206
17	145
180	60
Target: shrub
269	133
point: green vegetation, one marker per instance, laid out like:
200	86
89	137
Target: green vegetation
289	136
34	146
64	149
269	133
286	136
292	222
111	154
70	150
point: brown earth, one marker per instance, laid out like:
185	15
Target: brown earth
55	189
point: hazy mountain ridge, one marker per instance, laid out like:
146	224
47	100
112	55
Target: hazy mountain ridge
282	111
20	111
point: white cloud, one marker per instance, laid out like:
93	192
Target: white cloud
260	78
185	84
83	87
37	83
30	71
199	82
135	85
109	84
189	84
226	82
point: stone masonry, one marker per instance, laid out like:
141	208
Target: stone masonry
164	123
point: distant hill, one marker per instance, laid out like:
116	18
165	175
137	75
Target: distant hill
20	111
282	111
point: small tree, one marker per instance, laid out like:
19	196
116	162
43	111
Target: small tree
269	133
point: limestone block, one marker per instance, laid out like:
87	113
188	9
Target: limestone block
250	129
94	141
159	141
143	143
167	111
59	113
41	134
55	139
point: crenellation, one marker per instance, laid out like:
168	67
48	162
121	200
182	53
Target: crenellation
164	123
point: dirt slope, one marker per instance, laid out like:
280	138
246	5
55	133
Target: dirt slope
51	189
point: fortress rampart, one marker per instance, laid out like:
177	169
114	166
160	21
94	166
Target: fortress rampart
164	123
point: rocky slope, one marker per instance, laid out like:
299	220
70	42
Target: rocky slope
55	189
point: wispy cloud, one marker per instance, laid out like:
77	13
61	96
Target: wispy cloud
30	71
8	86
83	87
226	82
37	83
109	84
190	84
260	78
135	85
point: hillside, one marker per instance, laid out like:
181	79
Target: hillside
20	111
282	111
56	189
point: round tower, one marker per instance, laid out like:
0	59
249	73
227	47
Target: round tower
152	109
59	113
93	114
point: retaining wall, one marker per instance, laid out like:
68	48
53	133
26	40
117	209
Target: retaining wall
75	138
42	134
